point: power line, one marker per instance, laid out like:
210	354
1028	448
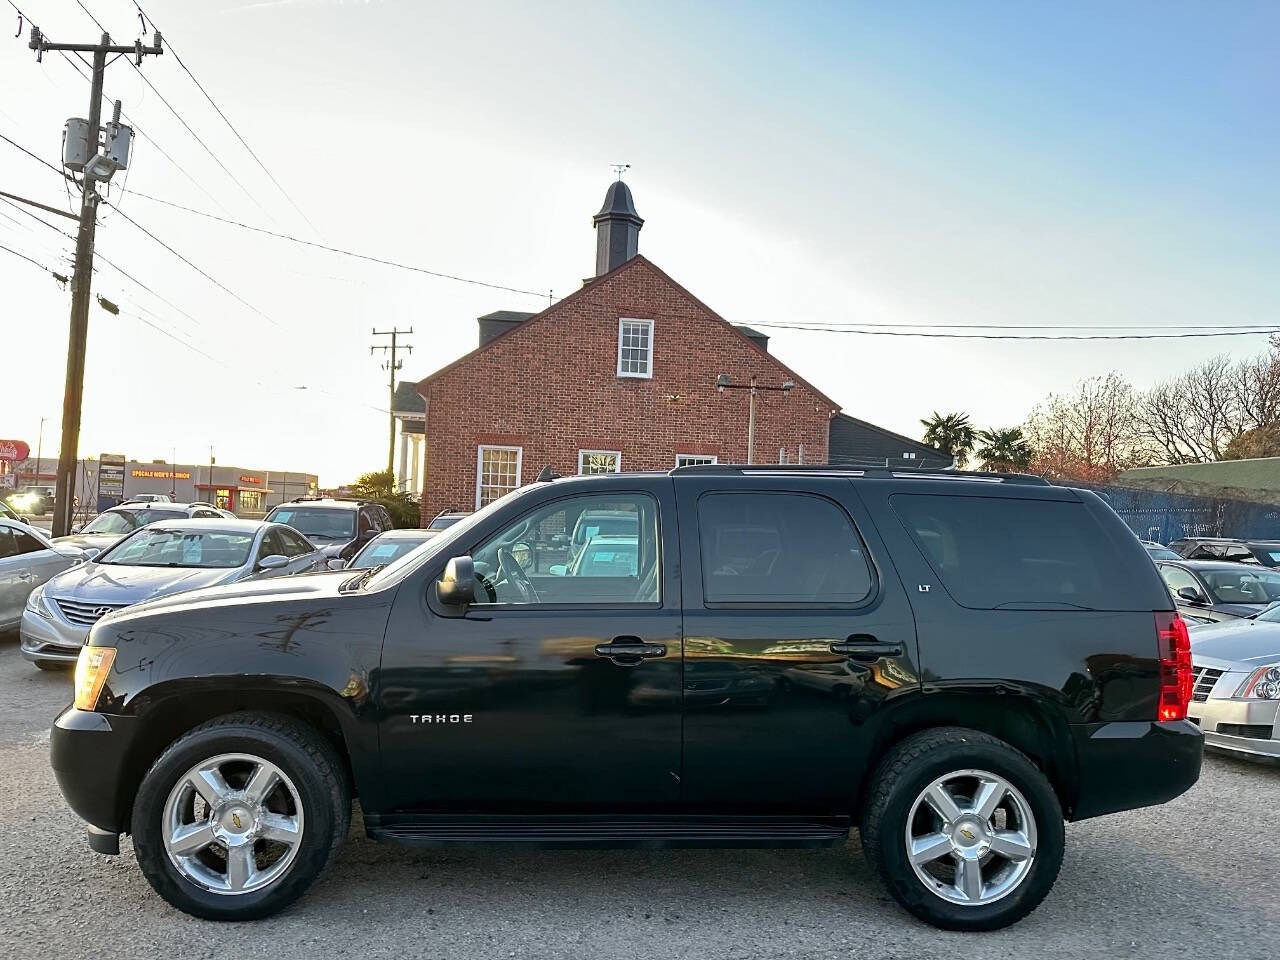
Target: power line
1028	336
172	109
30	153
172	50
217	283
338	250
33	262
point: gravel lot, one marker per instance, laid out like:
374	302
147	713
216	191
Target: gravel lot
1201	873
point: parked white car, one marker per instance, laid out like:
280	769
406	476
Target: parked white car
27	559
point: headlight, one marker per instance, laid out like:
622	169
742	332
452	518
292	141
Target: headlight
36	604
91	673
1263	684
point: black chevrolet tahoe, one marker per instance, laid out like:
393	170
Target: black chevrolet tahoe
953	663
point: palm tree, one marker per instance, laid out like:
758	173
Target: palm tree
1004	451
953	434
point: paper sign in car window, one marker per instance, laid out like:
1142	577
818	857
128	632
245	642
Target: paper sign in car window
284	516
192	549
383	551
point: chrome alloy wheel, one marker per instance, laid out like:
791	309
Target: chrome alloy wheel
233	823
971	837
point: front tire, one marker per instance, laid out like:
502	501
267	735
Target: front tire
964	830
238	817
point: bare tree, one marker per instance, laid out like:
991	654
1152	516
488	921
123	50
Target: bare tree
1192	417
1089	434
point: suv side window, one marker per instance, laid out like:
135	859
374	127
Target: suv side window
780	548
1016	553
535	559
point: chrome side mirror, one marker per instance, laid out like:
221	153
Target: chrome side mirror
274	562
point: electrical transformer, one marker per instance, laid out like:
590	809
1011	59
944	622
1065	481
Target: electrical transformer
76	147
119	140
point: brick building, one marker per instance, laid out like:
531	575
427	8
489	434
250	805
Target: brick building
620	375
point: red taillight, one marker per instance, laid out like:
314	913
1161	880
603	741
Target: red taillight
1175	666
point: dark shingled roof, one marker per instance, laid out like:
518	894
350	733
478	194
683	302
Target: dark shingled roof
408	399
853	442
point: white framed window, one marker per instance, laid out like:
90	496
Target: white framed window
497	472
694	459
599	461
635	348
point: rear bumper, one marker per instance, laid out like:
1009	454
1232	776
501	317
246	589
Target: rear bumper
89	753
1128	765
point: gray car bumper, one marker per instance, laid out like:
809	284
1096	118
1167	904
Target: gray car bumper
1241	726
50	642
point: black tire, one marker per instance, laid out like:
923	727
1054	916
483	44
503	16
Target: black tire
303	755
905	772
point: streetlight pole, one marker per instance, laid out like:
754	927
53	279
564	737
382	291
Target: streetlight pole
40	448
725	382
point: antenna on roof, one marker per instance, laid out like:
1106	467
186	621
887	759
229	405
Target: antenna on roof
620	168
547	475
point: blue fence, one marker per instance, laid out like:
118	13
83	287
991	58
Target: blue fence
1154	515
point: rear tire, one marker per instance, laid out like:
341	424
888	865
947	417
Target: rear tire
973	870
237	818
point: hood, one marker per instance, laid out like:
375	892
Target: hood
279	589
87	541
1239	609
109	583
1249	643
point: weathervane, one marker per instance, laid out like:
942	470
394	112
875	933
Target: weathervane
620	168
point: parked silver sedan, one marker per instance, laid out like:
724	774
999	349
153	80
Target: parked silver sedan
155	561
27	559
1236	695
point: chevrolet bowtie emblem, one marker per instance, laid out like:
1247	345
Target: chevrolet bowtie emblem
235	818
964	831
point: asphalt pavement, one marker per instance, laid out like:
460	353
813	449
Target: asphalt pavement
1200	875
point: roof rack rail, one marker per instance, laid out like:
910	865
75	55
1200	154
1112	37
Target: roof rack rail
901	473
306	499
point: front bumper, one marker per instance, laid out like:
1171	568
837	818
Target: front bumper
1241	726
1138	764
90	754
49	640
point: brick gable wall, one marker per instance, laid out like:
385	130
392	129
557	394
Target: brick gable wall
551	387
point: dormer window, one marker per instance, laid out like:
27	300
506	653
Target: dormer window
635	348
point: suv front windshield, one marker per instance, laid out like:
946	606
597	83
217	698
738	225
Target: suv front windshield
122	519
317	523
158	547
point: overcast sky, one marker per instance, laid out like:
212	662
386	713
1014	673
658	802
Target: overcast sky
920	163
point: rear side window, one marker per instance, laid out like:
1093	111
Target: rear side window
780	548
995	553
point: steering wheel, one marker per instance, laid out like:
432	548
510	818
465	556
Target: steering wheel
516	576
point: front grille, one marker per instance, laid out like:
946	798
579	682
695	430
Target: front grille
1255	731
85	614
1204	679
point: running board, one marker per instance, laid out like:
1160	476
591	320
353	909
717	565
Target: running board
561	831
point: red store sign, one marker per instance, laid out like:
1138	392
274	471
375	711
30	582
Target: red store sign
14	450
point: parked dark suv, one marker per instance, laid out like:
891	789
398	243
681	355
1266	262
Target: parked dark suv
954	664
338	526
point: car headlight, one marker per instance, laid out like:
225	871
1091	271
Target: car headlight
36	604
91	674
1262	684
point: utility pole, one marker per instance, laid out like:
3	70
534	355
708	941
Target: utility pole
97	167
393	365
725	382
40	448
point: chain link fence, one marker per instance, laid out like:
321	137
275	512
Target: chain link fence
1163	517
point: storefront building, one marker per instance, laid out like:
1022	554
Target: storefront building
248	492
